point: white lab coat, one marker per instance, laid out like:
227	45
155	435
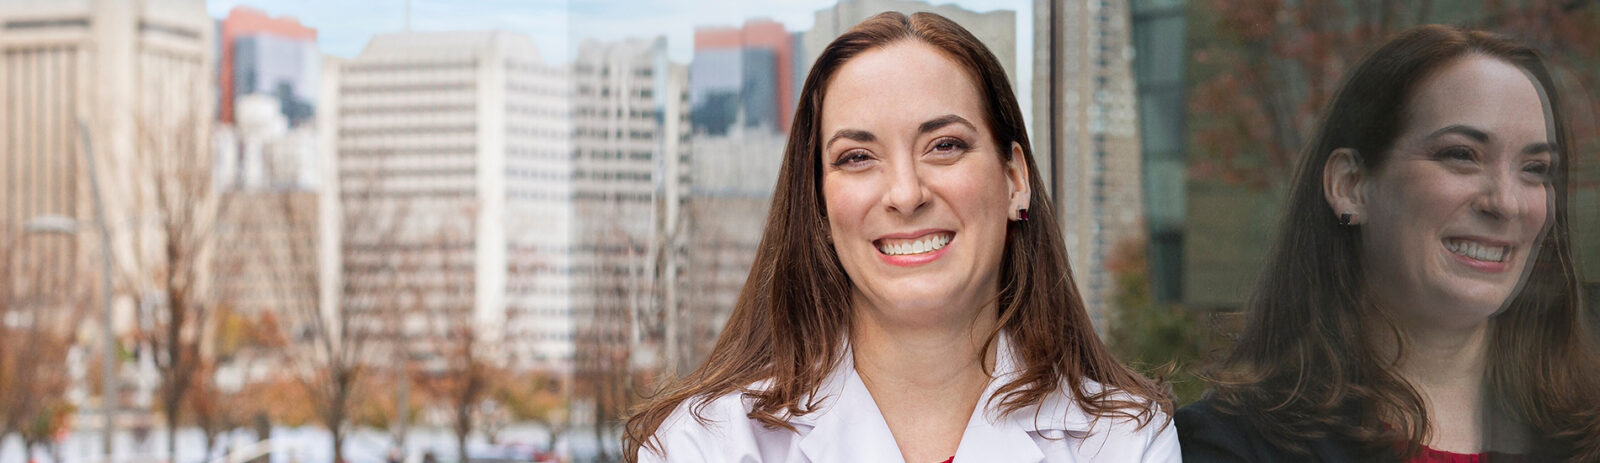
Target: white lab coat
847	427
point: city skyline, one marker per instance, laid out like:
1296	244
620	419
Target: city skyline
345	26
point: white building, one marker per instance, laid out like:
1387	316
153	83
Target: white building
1086	120
262	151
996	29
454	166
733	179
630	140
133	77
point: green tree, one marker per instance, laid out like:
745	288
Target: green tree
1165	341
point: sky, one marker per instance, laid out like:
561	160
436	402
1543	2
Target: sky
344	26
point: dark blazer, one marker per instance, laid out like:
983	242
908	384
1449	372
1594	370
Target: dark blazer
1208	435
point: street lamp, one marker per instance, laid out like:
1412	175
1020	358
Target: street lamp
66	225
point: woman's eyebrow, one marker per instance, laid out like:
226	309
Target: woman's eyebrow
941	121
1539	148
1471	132
853	134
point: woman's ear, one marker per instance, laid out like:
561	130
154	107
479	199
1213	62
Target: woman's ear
1017	182
1343	178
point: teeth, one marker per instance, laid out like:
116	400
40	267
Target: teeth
926	244
1477	251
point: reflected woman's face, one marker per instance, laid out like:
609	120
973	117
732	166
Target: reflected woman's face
1455	213
917	195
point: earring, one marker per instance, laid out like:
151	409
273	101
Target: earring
1344	219
1022	214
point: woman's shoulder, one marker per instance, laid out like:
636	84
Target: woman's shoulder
1209	433
1131	411
1138	430
711	428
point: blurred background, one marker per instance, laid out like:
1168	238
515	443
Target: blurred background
401	230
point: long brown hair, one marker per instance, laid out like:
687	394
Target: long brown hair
789	321
1306	365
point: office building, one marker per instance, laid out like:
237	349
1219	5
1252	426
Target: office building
996	29
261	54
743	76
1159	60
630	142
1086	135
454	167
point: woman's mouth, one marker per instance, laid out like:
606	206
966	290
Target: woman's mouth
912	246
1477	251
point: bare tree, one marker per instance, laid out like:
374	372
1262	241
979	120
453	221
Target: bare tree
612	336
337	346
1265	70
240	342
38	310
540	398
185	211
461	365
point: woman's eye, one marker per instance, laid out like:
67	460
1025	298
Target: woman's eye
1455	154
852	159
949	145
1540	168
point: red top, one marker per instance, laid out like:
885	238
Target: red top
1431	455
952	459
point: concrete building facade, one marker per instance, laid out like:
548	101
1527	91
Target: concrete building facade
996	29
126	83
743	75
262	54
1086	135
630	154
453	157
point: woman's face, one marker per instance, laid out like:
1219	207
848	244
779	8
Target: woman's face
1454	215
918	197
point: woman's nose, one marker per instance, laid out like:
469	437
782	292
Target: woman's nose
908	192
1503	196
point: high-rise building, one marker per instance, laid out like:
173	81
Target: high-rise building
266	172
630	150
732	180
1159	60
454	166
125	83
261	151
266	258
1086	135
268	233
270	56
742	76
131	78
996	29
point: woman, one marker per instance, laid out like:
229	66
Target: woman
1421	303
902	305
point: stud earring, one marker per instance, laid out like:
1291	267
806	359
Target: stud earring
1344	219
1022	214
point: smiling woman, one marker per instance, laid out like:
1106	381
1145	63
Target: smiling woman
1421	303
901	306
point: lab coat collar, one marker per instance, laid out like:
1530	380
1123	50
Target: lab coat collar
848	427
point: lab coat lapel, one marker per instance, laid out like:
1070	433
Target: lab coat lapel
991	437
848	427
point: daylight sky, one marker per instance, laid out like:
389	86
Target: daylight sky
344	26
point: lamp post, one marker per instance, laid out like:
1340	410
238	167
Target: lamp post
67	225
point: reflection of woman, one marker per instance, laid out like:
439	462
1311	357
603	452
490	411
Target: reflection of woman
902	307
1421	302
